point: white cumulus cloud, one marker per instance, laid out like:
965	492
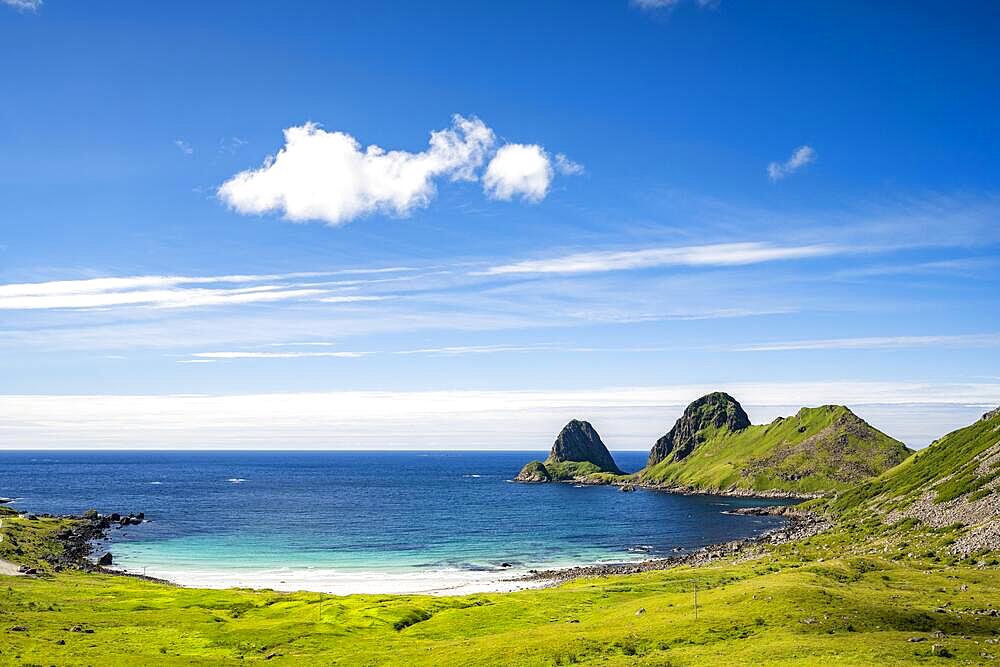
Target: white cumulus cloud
800	157
327	176
518	170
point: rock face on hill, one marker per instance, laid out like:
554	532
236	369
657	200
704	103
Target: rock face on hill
700	419
577	451
578	441
713	448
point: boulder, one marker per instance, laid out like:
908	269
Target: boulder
105	560
534	472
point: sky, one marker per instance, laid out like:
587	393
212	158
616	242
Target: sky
458	225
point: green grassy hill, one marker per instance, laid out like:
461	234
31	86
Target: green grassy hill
953	482
819	450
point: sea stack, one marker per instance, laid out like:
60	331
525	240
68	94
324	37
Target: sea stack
578	450
713	411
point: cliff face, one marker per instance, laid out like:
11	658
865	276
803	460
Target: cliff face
578	441
709	413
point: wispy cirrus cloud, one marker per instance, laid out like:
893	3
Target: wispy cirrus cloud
184	147
670	4
799	158
277	355
23	5
876	343
719	254
170	291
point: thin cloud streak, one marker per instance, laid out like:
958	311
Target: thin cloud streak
277	355
876	343
719	254
175	291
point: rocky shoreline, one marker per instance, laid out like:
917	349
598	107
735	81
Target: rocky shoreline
79	539
628	484
801	525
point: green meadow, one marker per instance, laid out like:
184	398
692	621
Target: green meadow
862	593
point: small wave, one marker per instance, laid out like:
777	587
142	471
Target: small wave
236	480
476	476
641	548
156	483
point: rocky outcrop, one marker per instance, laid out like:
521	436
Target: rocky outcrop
577	453
712	411
534	473
578	441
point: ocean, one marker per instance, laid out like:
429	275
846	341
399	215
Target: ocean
362	522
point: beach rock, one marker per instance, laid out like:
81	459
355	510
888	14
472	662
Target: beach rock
578	441
716	410
105	560
534	472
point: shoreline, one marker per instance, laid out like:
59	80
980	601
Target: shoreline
801	525
80	541
633	485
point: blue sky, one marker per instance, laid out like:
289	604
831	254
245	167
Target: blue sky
628	203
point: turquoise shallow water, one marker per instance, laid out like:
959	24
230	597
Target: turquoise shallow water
260	518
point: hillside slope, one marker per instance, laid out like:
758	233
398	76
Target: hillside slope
713	447
956	480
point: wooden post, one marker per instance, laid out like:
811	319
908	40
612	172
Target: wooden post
696	600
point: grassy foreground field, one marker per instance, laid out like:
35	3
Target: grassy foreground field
849	597
897	580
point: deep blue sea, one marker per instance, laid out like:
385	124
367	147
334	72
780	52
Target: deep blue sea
361	521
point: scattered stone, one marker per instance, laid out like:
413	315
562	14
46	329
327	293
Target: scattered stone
640	611
105	560
940	651
917	639
18	628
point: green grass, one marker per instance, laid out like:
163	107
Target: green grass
817	451
851	597
565	470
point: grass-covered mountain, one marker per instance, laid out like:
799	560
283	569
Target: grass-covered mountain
953	482
577	452
713	447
